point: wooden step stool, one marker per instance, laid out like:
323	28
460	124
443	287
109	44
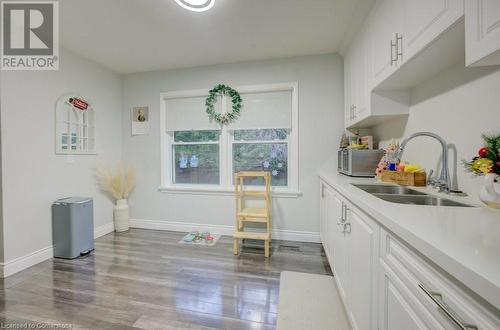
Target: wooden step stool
252	214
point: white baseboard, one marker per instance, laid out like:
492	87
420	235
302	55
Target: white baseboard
16	265
104	230
288	235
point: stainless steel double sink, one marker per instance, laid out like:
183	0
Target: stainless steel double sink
403	195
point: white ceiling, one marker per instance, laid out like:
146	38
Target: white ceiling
143	35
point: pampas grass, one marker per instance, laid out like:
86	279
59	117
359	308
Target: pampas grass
118	183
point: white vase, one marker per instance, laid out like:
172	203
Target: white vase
490	191
121	216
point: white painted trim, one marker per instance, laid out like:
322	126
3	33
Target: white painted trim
277	192
16	265
104	230
288	235
166	179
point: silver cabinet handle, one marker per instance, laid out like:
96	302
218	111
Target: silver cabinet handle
342	219
393	45
344	212
445	309
399	49
340	222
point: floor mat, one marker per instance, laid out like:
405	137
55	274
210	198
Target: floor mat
310	301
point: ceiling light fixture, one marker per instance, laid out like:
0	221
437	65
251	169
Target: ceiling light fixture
196	5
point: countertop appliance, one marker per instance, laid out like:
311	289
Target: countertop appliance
360	163
73	227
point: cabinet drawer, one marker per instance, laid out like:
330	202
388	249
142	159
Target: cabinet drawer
434	288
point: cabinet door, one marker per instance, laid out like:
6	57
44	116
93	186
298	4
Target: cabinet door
425	20
361	61
348	86
398	307
356	70
384	22
482	32
363	237
330	213
340	254
322	212
334	214
324	230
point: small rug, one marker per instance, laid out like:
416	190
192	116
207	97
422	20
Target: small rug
200	238
310	301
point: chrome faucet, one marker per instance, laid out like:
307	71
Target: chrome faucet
443	182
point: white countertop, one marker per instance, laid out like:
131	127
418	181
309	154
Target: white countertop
464	241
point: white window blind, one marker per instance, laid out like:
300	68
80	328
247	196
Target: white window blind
264	110
188	113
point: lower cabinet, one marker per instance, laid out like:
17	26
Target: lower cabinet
398	306
386	284
351	243
362	236
414	291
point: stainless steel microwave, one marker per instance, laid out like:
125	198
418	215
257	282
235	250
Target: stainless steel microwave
361	163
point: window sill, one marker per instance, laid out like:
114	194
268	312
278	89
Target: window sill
222	191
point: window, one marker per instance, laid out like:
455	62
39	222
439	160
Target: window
257	150
200	156
196	157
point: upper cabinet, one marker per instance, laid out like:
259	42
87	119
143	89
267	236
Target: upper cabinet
426	20
385	25
482	23
356	80
402	43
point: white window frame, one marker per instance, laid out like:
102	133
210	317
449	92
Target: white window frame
225	146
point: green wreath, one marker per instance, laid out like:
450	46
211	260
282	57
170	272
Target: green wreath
236	100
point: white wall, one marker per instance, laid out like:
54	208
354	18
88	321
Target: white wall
320	81
33	175
460	104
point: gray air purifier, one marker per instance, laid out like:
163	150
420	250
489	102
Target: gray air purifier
73	227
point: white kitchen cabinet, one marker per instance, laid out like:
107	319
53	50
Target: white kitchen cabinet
349	87
437	301
404	43
356	69
482	32
398	306
361	59
386	284
426	20
362	235
351	242
341	256
400	29
330	208
384	24
323	232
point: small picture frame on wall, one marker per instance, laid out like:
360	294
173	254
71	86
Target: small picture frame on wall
140	120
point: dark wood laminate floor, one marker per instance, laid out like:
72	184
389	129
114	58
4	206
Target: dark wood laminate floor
144	279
